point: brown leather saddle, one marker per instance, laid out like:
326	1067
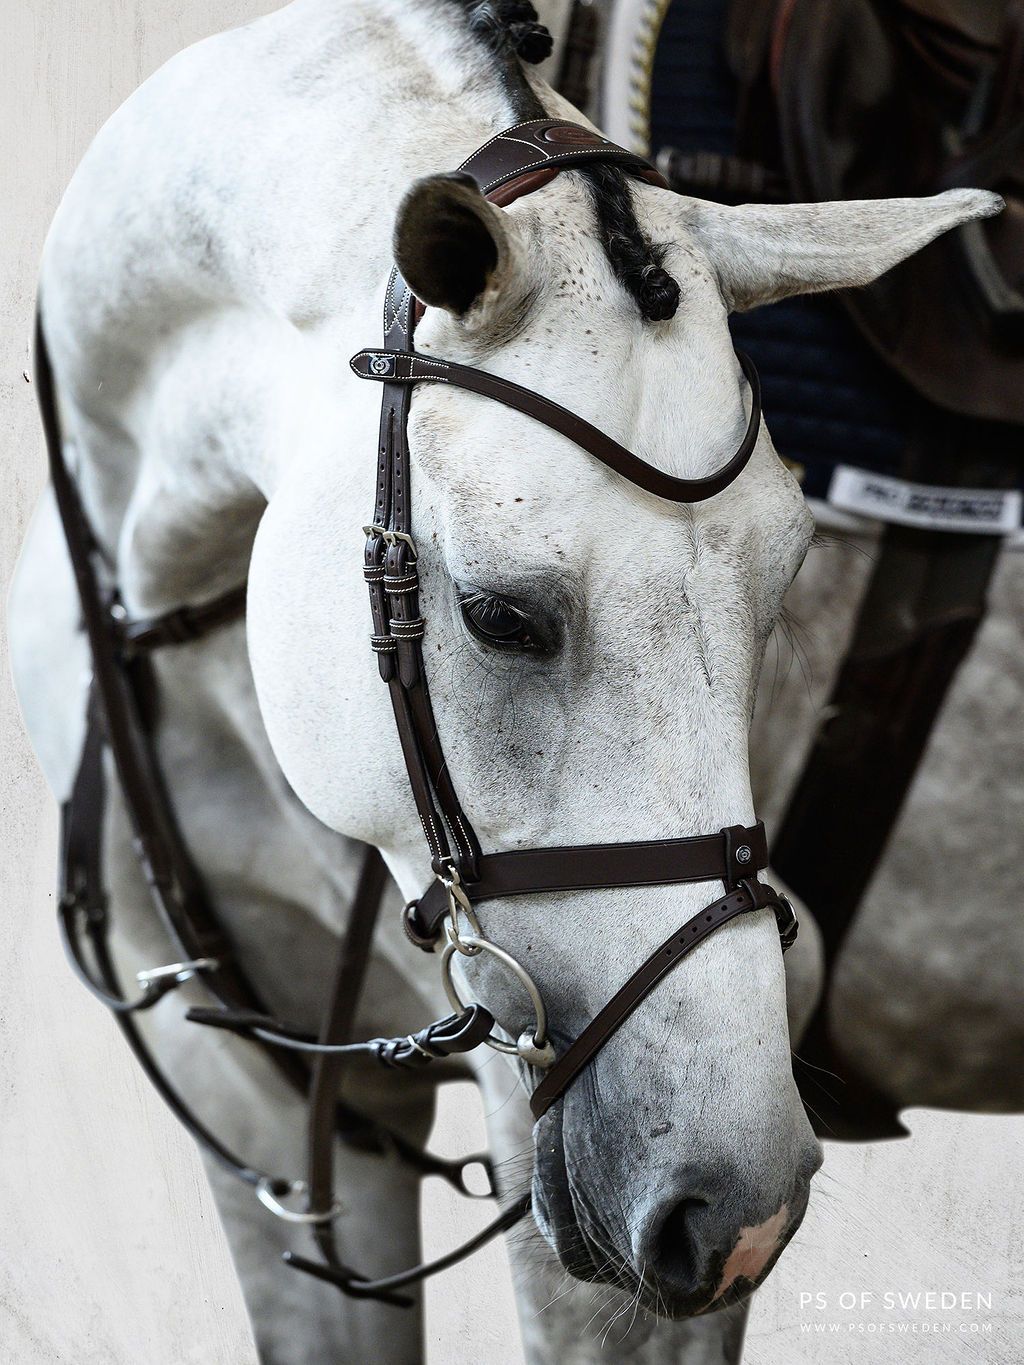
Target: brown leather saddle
858	99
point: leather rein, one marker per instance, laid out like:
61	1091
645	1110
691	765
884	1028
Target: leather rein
120	721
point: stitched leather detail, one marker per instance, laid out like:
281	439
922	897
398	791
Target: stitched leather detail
585	867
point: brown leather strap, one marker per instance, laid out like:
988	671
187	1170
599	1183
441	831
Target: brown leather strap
337	1027
751	895
184	624
447	1037
385	1287
83	904
175	885
727	856
541	143
82	907
402	367
514	163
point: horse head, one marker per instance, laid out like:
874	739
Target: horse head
592	653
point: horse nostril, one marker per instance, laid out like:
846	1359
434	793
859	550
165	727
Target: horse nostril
672	1259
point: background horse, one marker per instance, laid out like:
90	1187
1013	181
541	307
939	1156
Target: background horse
196	338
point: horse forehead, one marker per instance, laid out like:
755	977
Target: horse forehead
676	404
602	548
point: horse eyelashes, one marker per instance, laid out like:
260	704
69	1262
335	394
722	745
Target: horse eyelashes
497	622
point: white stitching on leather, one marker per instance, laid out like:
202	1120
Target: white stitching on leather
498	136
523	170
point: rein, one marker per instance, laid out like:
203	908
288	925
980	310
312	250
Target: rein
513	163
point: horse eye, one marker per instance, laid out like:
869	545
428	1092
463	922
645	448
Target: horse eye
498	623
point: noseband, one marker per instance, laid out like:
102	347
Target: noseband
119	721
505	169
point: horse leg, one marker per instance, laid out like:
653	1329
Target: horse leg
297	1319
575	1323
260	1116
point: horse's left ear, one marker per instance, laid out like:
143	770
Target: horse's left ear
765	252
455	250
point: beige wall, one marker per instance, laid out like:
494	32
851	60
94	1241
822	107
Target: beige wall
110	1250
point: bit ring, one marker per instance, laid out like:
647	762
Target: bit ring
533	1045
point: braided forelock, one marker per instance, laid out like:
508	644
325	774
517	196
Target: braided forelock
638	262
511	32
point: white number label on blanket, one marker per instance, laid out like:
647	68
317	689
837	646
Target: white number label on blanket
984	510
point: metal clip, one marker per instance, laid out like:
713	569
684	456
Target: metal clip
267	1192
458	900
176	972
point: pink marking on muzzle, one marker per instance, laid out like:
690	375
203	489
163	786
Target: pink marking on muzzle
752	1252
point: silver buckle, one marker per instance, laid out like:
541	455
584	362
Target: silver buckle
788	927
392	537
458	900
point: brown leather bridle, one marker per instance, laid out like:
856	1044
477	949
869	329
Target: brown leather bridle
505	168
120	722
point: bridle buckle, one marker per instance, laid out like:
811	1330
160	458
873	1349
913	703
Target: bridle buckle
786	919
175	973
270	1193
392	537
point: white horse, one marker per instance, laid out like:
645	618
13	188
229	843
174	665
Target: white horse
219	255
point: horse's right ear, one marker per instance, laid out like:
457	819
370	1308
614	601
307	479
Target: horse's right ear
455	250
767	252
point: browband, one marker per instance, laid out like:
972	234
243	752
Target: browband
512	164
408	367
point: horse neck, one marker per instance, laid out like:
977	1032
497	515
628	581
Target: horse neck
427	92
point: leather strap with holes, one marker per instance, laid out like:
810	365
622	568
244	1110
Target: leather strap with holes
750	895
